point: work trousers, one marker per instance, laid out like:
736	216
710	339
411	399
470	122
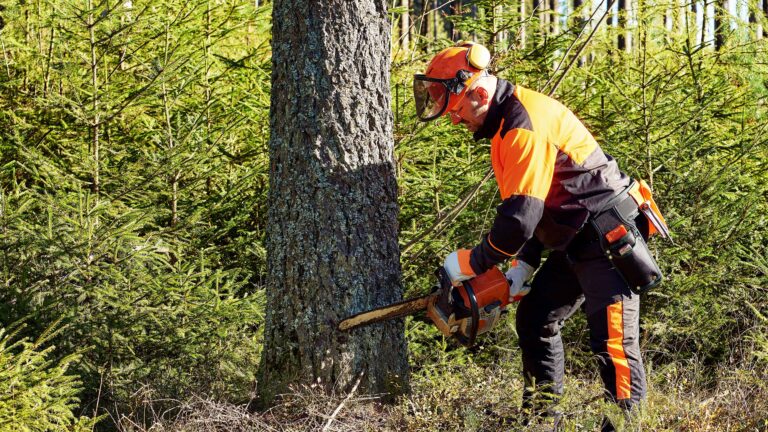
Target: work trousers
568	280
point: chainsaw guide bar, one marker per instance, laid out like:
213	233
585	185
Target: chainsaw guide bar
395	310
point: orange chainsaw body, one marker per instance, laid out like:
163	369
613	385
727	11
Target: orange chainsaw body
462	312
471	309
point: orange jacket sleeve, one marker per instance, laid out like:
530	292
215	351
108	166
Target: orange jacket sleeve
524	173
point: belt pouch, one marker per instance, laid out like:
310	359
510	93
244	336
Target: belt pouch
625	247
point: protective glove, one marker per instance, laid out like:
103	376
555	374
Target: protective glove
457	266
518	273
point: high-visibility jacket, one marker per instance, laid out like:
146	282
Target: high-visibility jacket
552	176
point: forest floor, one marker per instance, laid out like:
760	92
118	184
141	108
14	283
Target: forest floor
474	398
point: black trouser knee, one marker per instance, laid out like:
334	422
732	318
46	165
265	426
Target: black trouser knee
554	297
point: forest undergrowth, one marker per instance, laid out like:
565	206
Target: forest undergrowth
487	398
133	179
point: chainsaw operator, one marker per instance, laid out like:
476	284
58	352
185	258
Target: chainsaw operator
560	192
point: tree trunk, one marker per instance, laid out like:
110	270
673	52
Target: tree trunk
623	10
543	9
554	17
405	24
765	11
332	225
448	10
420	8
434	19
523	24
576	21
537	10
704	19
721	27
754	9
498	36
96	120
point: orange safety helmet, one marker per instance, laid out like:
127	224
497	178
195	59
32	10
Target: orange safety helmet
448	75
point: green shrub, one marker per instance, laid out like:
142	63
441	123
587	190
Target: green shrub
36	392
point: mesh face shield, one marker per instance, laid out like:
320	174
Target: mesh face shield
433	95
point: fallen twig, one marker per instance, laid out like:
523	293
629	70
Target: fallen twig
341	405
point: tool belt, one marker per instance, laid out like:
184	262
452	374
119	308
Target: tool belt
621	240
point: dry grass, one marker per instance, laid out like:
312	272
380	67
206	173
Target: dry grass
304	409
475	398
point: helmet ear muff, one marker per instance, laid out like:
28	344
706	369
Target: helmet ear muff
478	56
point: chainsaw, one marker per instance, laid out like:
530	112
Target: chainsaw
462	312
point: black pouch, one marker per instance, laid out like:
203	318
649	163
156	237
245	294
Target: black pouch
625	247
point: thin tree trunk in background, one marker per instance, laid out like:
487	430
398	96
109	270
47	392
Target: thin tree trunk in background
577	4
332	234
95	121
405	24
537	11
418	20
27	39
207	75
753	13
622	43
498	37
577	20
507	14
522	33
423	22
682	13
49	58
721	26
434	17
611	16
173	178
678	14
694	21
765	16
704	19
40	31
554	14
449	10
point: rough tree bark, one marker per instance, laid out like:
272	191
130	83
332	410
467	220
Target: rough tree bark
332	236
